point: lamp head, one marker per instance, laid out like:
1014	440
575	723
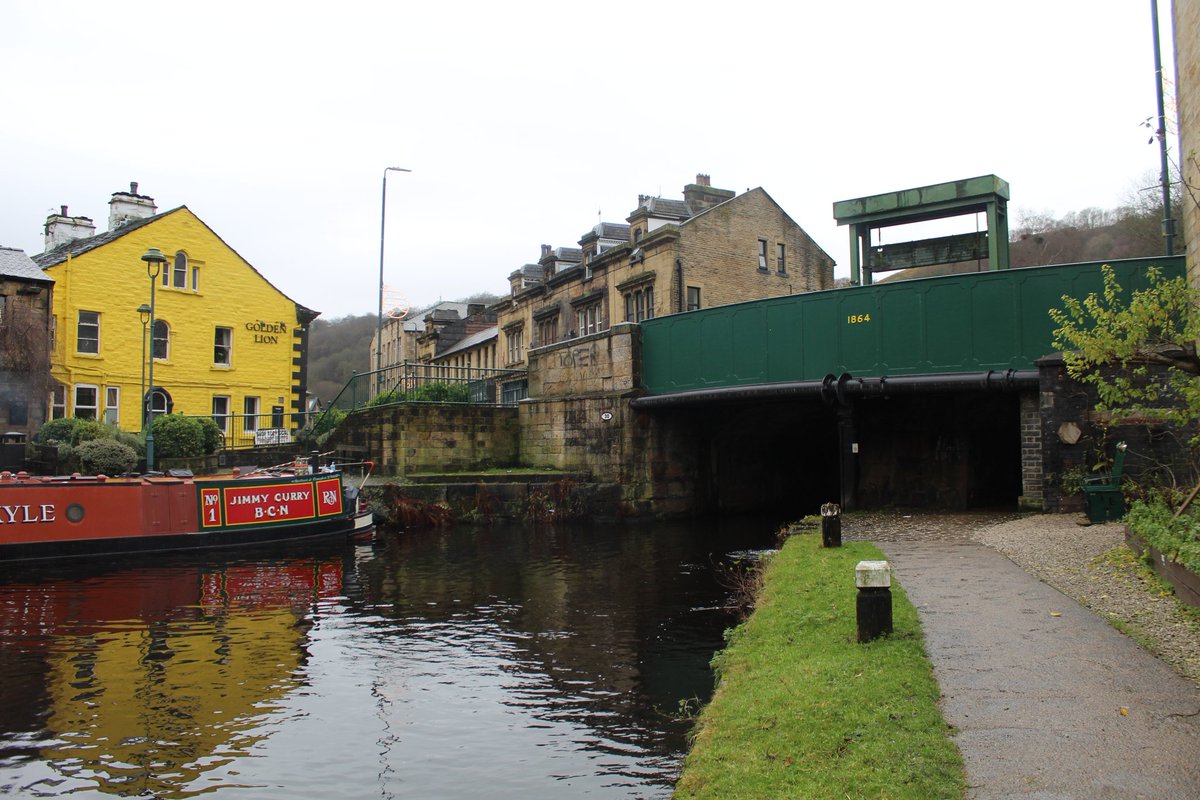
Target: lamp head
144	312
154	260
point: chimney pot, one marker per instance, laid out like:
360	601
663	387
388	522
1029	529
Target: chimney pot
64	210
133	187
703	180
545	250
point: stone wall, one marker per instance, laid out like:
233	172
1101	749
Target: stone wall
444	437
602	364
1076	437
1187	100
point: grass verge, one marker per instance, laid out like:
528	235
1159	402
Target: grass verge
803	710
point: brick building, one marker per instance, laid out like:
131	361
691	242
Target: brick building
712	248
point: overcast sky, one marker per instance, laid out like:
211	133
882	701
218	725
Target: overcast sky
521	122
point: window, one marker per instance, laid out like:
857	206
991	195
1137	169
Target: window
86	397
589	318
87	337
639	304
781	258
195	279
180	272
220	412
3	307
548	331
58	402
112	405
762	255
161	340
250	408
693	298
516	345
160	401
222	344
18	411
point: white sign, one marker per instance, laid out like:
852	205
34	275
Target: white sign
272	436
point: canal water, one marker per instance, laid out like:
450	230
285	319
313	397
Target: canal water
506	662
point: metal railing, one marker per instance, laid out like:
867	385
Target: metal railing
415	382
261	430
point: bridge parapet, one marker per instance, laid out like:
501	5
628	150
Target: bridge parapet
950	324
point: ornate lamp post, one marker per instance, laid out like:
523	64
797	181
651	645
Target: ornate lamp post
154	263
144	312
382	230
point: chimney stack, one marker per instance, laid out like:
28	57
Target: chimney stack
700	196
126	206
62	228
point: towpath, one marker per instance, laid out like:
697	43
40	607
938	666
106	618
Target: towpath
1048	701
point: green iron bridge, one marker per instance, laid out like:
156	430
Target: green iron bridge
973	330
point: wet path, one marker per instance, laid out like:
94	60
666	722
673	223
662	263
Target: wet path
1048	700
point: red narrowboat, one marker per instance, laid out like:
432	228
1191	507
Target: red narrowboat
83	516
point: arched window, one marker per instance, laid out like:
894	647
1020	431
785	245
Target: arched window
180	271
161	340
161	400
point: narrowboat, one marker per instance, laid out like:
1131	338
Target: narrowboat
72	516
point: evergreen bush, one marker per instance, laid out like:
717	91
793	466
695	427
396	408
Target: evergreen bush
105	457
177	436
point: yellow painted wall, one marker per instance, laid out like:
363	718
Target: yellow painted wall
112	280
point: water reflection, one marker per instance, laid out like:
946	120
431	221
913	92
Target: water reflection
509	662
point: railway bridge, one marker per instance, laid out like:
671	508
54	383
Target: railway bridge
936	392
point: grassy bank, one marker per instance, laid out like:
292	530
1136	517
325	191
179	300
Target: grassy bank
803	710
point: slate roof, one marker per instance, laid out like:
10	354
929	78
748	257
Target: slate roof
572	254
15	264
415	320
664	207
77	247
468	342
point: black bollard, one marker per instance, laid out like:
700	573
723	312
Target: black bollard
831	525
874	582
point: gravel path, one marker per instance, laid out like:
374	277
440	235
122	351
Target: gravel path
1090	564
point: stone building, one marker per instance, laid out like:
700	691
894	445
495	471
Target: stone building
26	294
225	341
713	247
401	331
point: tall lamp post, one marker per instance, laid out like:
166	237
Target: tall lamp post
382	232
154	263
144	312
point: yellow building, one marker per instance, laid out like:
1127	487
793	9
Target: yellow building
225	341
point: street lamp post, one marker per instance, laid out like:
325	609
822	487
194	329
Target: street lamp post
144	312
382	232
154	263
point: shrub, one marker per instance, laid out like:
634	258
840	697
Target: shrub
212	435
131	440
177	436
441	392
105	456
70	430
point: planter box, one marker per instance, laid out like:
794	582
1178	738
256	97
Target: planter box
1186	582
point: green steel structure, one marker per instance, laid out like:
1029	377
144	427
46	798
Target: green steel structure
986	194
973	328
